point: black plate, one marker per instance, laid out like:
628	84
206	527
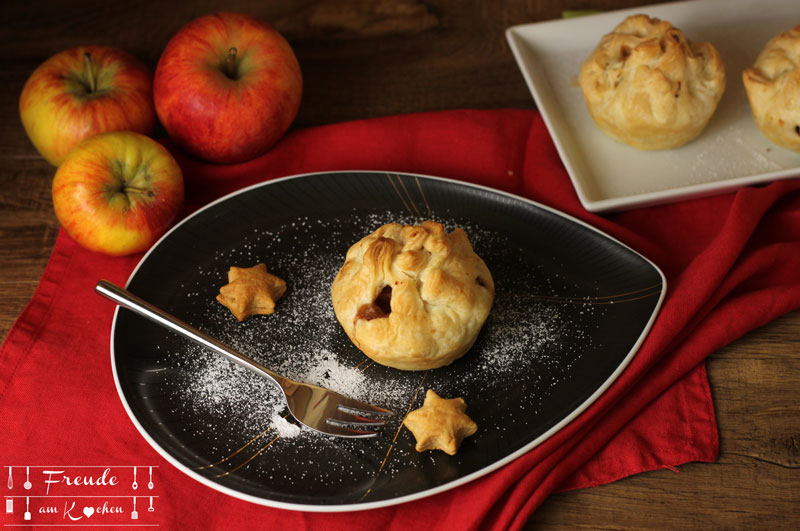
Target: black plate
572	307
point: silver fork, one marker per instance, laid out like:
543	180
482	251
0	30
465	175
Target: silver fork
318	408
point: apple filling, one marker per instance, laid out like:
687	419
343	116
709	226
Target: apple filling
379	308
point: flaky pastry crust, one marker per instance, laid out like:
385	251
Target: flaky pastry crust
773	89
440	424
413	297
251	291
647	86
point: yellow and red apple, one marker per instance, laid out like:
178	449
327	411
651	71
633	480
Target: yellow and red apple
227	87
117	193
84	91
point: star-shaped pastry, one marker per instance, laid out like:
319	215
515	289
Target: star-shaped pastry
250	291
440	424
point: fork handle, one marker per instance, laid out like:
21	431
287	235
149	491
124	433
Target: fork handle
128	300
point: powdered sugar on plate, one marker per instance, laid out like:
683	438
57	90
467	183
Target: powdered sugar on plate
553	337
285	429
527	346
303	341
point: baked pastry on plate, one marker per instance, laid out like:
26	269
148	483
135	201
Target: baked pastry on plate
647	86
773	88
440	424
413	297
251	291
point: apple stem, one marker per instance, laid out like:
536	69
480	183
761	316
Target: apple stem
87	59
137	190
230	63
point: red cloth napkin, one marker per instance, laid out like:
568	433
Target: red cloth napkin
731	263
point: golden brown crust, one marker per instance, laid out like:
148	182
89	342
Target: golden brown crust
250	291
440	424
773	89
440	294
646	85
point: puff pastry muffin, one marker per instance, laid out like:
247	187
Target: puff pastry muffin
413	297
647	86
773	88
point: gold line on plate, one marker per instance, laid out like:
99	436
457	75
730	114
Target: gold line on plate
424	200
254	439
397	191
410	199
397	433
251	441
605	299
250	459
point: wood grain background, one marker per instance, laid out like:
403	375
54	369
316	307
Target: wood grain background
364	59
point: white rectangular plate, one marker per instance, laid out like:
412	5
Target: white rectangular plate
731	152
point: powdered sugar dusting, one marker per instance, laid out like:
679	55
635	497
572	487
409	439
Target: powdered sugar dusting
527	346
331	373
285	428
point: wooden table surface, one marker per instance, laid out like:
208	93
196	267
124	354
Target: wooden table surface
362	59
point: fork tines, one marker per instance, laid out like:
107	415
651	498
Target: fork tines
356	421
365	412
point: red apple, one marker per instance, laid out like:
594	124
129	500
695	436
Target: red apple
227	87
117	193
84	91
